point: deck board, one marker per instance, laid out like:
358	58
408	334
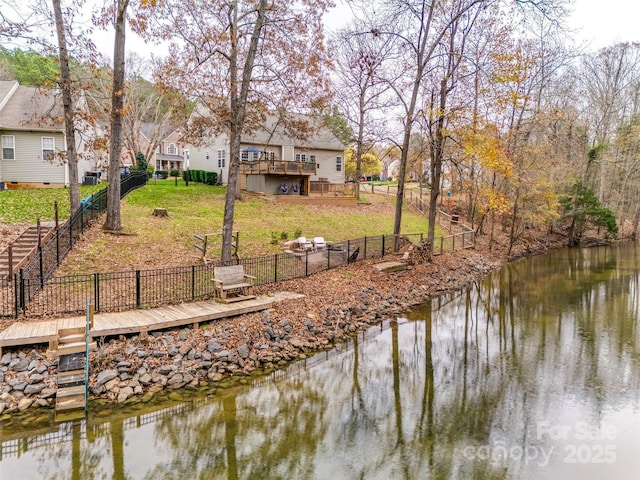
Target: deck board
137	321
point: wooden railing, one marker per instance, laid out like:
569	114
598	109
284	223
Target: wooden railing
277	167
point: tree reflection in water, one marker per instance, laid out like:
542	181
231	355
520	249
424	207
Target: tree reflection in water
551	339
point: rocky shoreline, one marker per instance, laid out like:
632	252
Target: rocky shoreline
337	304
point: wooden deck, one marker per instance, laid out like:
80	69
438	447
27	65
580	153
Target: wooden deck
137	321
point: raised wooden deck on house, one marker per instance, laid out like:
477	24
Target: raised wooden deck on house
136	321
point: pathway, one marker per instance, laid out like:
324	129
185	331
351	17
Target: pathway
137	321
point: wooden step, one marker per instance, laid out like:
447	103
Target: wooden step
69	401
74	338
75	362
63	332
77	347
67	379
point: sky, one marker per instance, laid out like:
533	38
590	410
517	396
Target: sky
596	23
604	22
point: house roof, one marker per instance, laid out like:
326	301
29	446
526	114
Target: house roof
273	132
148	129
29	108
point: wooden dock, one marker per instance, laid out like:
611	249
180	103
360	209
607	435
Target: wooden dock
137	321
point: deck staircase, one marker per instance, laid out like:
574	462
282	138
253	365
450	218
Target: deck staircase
72	372
23	248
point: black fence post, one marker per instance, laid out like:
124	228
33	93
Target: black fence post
382	246
306	262
16	295
193	282
57	247
96	291
81	220
137	288
328	250
365	248
22	299
275	268
70	222
41	265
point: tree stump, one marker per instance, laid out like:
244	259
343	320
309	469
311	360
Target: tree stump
160	212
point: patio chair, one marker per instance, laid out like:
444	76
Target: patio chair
305	244
319	243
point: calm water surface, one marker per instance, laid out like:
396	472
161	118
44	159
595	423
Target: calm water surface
534	373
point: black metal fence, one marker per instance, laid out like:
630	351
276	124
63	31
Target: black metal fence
115	291
26	284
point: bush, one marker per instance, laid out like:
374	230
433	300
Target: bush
211	178
174	172
163	174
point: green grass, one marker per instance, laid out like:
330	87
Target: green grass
153	242
27	205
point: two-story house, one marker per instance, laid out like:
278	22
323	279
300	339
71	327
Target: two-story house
33	138
275	162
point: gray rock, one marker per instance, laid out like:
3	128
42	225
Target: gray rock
165	369
6	359
48	392
34	389
159	354
185	348
19	364
25	403
123	365
33	365
143	354
18	385
104	377
124	394
182	336
145	379
35	378
214	346
206	356
173	351
243	351
223	354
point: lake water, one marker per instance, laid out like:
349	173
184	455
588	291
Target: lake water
533	373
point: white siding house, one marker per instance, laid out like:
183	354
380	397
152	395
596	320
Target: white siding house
32	137
273	161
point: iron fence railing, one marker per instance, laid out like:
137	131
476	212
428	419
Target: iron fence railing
25	284
34	296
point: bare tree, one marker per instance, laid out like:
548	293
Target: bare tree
361	86
67	103
243	60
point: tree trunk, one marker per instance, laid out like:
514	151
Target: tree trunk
238	94
113	221
67	103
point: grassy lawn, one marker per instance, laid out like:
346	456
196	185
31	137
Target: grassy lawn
27	205
154	242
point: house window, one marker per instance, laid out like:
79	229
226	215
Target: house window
172	150
207	156
256	156
312	159
301	157
8	147
245	156
222	158
338	164
270	155
48	146
159	149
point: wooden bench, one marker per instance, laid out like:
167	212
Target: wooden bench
232	284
